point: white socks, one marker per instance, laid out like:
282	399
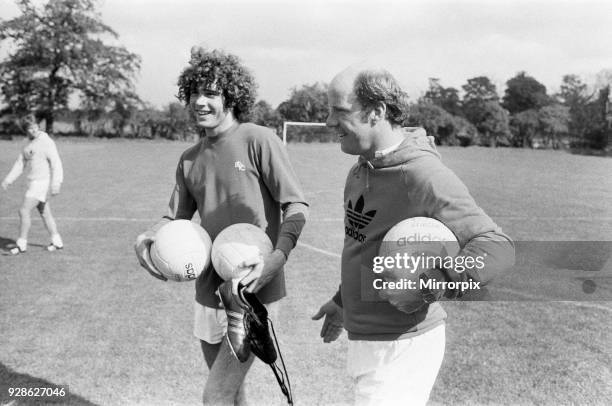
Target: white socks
56	240
22	244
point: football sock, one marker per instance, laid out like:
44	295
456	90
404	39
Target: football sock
56	240
22	244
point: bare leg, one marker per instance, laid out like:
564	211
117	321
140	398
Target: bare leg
210	352
45	212
225	380
24	215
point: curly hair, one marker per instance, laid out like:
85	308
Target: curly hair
219	70
379	86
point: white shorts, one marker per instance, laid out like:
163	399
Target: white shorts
400	372
210	324
38	189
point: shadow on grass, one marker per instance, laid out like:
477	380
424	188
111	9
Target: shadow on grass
13	379
591	152
7	243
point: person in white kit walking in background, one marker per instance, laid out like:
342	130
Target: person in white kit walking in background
40	159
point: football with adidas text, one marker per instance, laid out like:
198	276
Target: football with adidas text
181	250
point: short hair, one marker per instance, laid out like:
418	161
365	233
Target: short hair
379	86
219	70
29	121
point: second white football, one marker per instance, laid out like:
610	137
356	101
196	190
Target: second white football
236	244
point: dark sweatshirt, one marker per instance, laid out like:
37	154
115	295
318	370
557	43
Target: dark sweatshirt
243	176
409	182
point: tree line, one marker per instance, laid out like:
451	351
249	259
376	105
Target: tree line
526	116
62	56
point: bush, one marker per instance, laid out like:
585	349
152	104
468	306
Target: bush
310	134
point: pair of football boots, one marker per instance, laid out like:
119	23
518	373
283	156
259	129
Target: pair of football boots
247	323
248	331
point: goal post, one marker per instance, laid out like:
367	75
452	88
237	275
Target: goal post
298	123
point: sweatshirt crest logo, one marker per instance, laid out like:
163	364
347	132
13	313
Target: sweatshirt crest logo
357	219
240	166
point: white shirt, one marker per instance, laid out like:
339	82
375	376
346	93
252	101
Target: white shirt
40	159
387	151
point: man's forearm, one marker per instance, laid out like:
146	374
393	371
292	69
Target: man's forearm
294	219
495	251
15	171
338	297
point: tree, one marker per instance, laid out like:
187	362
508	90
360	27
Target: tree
180	124
148	122
263	114
523	93
524	127
478	92
59	52
573	91
589	113
174	122
447	98
574	95
603	79
596	132
465	132
494	124
306	104
446	128
554	121
482	108
479	89
436	121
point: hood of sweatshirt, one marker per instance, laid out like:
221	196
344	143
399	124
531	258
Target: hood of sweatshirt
416	144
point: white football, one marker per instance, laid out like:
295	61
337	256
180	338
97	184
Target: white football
236	244
421	243
417	233
420	236
181	250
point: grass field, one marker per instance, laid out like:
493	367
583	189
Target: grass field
90	318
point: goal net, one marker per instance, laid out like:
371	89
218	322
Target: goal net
297	131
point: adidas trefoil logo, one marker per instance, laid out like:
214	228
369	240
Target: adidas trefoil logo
355	216
357	219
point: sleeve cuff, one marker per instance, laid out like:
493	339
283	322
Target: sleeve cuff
284	244
337	298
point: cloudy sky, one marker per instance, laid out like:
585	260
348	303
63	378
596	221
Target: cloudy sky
290	43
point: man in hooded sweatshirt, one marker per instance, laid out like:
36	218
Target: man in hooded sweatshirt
396	348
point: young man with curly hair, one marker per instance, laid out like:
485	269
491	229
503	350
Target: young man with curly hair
237	173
